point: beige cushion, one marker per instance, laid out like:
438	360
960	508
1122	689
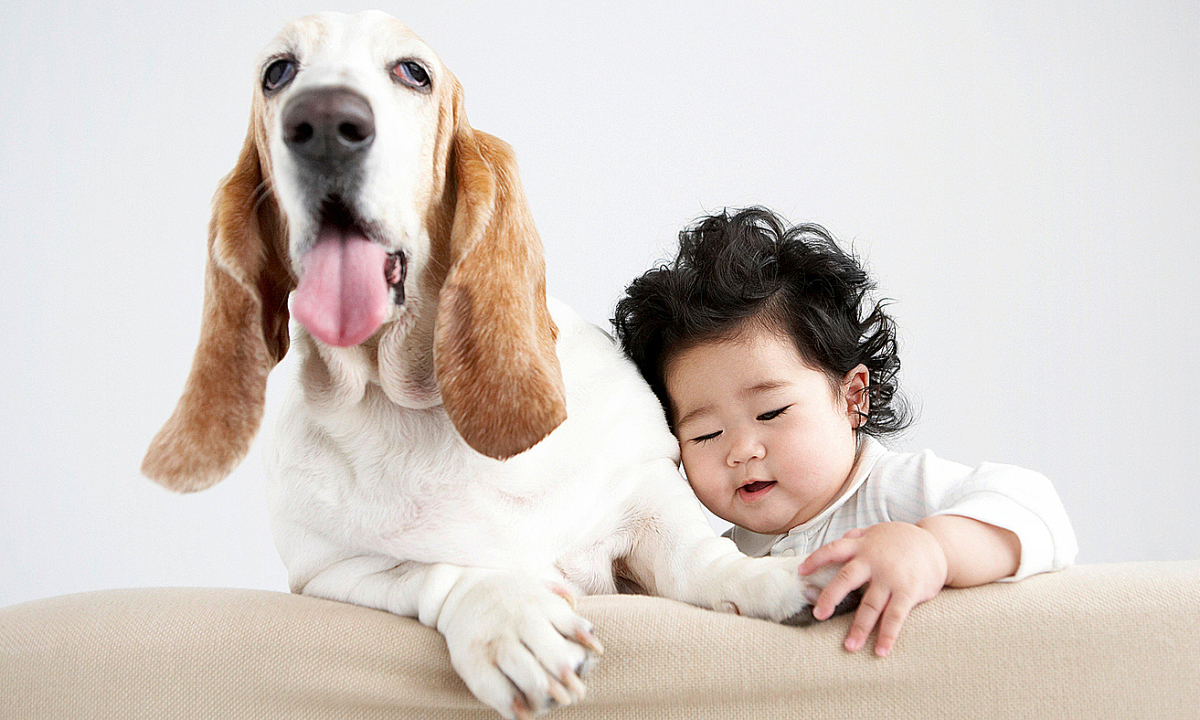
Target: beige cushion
1100	641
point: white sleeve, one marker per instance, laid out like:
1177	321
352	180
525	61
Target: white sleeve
1009	497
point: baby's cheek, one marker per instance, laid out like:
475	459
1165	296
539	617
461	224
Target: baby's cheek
705	488
690	466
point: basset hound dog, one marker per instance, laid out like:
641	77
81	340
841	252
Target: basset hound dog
457	448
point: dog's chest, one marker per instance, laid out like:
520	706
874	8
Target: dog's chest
402	483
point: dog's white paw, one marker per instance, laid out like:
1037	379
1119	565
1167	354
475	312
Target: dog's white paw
772	589
519	646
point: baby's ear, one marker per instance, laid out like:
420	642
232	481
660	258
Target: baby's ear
856	386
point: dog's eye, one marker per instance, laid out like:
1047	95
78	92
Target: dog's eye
278	74
410	73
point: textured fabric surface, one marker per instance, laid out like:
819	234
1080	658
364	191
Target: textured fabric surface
1098	641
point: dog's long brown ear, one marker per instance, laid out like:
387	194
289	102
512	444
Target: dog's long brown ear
243	334
494	356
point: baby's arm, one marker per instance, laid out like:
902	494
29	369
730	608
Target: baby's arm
961	527
976	553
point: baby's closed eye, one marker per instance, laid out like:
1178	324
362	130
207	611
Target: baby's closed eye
701	439
771	415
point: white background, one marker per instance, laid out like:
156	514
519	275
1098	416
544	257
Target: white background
1022	177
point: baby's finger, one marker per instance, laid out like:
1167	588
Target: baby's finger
890	624
873	604
852	576
838	551
855	533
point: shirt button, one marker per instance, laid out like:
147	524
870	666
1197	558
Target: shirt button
788	553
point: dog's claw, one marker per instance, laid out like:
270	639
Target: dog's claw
563	593
574	684
520	710
560	694
589	641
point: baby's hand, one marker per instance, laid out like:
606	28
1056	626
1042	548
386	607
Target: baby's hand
904	566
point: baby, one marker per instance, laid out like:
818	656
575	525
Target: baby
778	375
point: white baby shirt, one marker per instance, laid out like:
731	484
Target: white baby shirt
888	486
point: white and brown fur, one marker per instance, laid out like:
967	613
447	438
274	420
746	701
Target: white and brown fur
486	455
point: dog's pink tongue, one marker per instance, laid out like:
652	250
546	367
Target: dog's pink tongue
342	298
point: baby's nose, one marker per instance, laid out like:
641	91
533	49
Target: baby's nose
745	449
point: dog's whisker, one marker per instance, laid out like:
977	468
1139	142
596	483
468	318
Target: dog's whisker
260	194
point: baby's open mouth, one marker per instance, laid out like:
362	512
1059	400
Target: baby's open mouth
756	489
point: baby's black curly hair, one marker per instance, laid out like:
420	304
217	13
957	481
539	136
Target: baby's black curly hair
750	266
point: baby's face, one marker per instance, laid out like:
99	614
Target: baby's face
766	443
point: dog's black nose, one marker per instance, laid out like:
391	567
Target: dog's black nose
329	126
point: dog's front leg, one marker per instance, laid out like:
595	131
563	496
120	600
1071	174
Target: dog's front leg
709	571
513	638
677	554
